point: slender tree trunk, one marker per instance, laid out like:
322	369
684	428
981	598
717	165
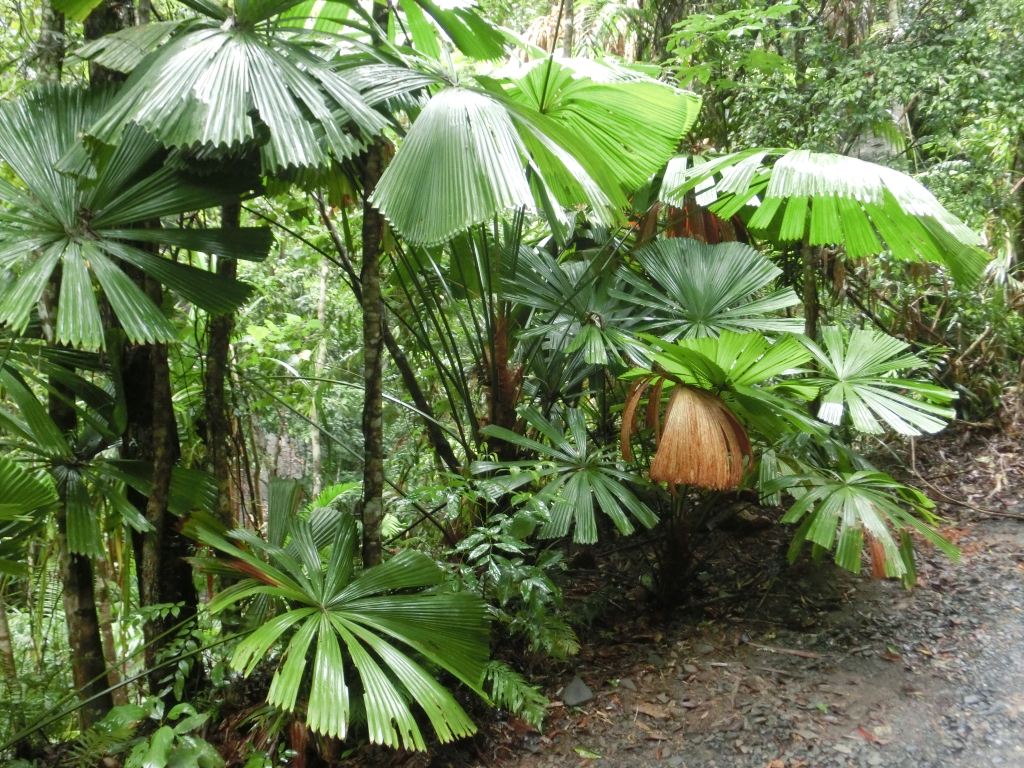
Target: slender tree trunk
319	364
164	577
809	259
568	27
435	434
51	44
109	16
8	665
218	427
105	614
1017	177
373	347
88	666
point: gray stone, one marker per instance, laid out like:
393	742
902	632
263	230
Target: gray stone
576	692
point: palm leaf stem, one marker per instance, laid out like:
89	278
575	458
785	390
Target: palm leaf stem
441	446
345	445
447	361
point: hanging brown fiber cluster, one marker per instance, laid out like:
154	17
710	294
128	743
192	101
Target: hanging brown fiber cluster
701	443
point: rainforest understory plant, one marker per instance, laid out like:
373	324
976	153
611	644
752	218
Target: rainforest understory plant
333	335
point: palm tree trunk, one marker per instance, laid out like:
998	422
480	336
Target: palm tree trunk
218	428
568	27
319	364
373	348
8	664
435	434
1017	176
105	614
51	43
88	669
809	259
162	572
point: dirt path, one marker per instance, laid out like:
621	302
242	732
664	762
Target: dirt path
812	668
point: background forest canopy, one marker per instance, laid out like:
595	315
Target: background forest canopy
332	334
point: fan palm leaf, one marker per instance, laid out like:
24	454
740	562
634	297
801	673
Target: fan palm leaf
544	143
88	230
379	626
24	498
575	478
220	79
850	510
828	199
748	380
693	289
858	377
577	309
75	463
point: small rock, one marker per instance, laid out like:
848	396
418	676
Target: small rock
627	683
691	668
655	660
576	692
705	648
971	700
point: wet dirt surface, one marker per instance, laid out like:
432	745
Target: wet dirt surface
802	666
808	667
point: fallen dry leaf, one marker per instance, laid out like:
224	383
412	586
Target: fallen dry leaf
867	735
651	709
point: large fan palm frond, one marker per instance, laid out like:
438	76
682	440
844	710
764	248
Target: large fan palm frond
828	199
849	511
575	477
542	144
91	483
24	497
749	373
859	377
631	122
576	308
384	624
89	229
223	78
694	289
22	492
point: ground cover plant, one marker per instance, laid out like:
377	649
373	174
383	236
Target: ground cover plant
332	333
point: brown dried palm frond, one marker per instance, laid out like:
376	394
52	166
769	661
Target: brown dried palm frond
700	442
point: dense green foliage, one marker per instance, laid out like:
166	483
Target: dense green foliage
330	332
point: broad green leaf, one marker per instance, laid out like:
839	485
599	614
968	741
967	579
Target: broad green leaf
845	510
858	378
79	224
691	289
461	163
334	621
21	492
829	199
573	476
